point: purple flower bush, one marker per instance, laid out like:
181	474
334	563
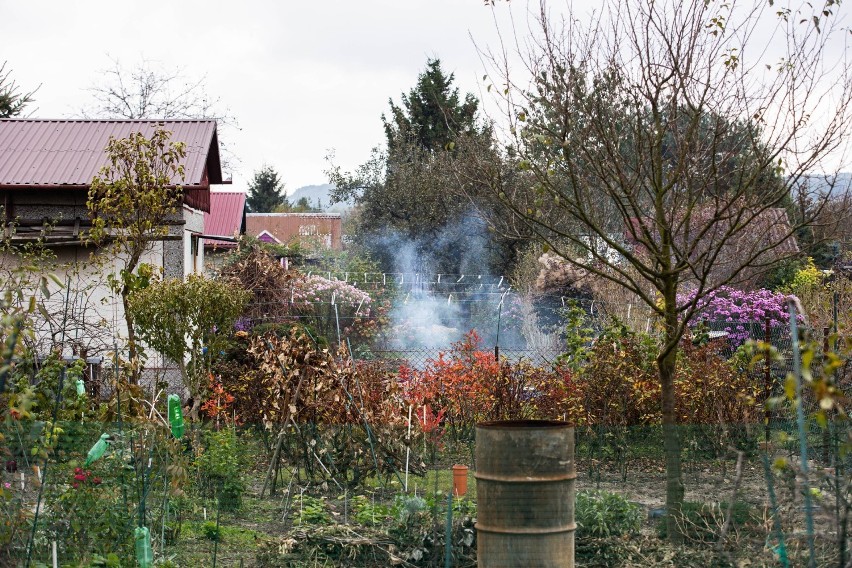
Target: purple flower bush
741	311
243	324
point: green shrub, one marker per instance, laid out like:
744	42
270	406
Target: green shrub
312	511
601	514
369	513
109	561
220	469
603	520
211	531
286	330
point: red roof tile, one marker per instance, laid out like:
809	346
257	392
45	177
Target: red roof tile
52	153
226	216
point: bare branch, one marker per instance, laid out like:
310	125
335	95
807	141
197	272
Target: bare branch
149	90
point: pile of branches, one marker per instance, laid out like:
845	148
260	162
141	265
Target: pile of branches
254	269
339	543
331	419
369	547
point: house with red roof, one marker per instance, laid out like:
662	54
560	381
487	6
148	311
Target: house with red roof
46	169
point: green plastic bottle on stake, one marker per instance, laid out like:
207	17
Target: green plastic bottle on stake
81	387
144	554
175	416
97	451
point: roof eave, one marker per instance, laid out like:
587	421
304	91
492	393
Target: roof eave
214	164
86	186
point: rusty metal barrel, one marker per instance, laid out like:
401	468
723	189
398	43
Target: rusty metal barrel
525	494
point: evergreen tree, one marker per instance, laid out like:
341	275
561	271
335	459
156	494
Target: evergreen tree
410	191
266	192
303	205
432	114
12	102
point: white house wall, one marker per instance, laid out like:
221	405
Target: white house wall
193	260
93	314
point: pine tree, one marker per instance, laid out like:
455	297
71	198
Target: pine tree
411	190
12	101
266	191
432	114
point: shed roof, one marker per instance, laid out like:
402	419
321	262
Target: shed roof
227	215
69	153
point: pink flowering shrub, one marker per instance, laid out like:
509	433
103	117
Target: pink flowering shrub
323	303
743	312
312	290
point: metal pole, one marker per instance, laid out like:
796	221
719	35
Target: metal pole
781	548
826	433
43	480
497	339
117	387
408	447
216	542
448	533
165	502
803	441
767	385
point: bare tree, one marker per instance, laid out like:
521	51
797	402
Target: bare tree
149	90
659	136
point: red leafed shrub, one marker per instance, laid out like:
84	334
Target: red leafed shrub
710	390
618	386
218	405
468	385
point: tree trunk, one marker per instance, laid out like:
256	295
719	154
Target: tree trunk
132	351
190	392
666	365
272	470
132	348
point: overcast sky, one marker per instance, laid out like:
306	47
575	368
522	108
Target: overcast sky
301	77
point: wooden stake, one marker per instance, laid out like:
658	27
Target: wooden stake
408	447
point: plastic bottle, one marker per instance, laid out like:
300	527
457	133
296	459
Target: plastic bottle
97	450
144	554
175	416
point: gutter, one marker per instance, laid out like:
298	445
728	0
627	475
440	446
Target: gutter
82	186
218	238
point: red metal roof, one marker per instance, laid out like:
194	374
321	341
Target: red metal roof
226	216
69	153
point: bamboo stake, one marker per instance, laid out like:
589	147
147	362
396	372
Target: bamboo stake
408	447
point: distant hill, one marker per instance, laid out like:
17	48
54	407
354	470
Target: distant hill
839	183
318	196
